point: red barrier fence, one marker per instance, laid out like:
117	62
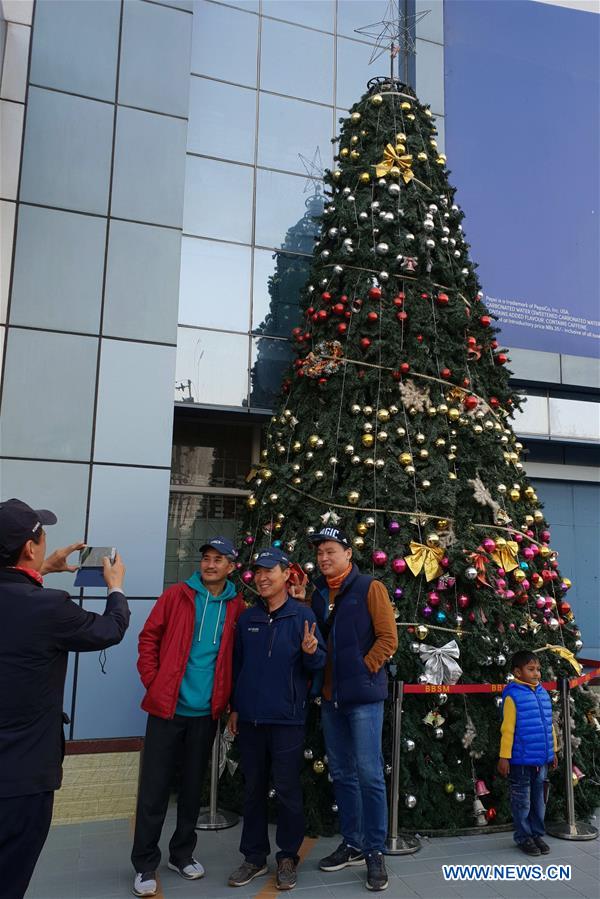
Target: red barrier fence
498	688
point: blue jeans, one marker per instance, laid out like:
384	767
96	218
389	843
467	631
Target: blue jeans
353	742
527	800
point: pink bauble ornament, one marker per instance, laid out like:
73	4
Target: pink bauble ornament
525	585
535	549
471	616
379	558
463	601
393	527
512	626
433	598
528	553
247	576
510	594
445	562
540	602
501	572
545	536
450	581
399	566
248	540
518	538
501	583
528	532
489	545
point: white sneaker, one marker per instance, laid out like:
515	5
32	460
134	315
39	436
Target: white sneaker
192	871
144	884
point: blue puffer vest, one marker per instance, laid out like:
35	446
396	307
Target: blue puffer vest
533	743
351	637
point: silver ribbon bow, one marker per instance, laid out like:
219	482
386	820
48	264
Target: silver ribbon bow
439	661
225	744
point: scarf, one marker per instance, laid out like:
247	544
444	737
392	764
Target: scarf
30	572
334	583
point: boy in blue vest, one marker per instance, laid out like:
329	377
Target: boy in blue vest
527	748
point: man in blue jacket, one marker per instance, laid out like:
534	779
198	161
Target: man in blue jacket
278	648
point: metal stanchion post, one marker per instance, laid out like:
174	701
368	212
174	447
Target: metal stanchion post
395	843
213	818
569	829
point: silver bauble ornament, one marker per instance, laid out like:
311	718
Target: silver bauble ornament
410	801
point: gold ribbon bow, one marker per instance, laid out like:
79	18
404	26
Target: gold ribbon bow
391	159
426	557
565	654
505	556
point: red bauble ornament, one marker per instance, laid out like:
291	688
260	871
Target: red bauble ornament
419	338
315	317
466	382
296	332
326	297
322	315
501	359
372	316
494	402
443	299
470	402
342	328
300	373
494	344
348	314
338	309
398	301
446	373
310	311
424	296
471	341
485	321
365	343
490	813
307	335
375	293
402	316
343	298
397	375
404	368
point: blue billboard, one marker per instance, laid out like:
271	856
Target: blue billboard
522	105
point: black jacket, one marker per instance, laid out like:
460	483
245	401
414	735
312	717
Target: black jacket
38	627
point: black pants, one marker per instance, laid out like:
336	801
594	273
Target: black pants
275	749
188	739
24	825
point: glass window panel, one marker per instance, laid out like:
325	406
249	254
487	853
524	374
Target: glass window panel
212	368
222	120
128	510
134	403
209	456
142	282
284	66
7	228
59	265
194	519
66	158
218	200
214	287
109	705
14	67
11	130
431	27
149	168
278	279
248	5
315	13
270	360
440	124
60	486
289	128
354	14
48	398
179	4
75	46
354	71
155	58
2	339
18	11
224	43
285	212
430	75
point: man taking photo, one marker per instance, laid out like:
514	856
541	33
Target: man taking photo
38	628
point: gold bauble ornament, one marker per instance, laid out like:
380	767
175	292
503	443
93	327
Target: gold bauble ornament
529	520
355	155
296	446
423	454
529	491
422	157
500	542
440	442
367	440
266	473
567	582
296	480
405	105
353	497
428	113
382	436
252	502
383	415
361	528
453	414
355	117
336	175
405	458
442	524
477	429
420	438
354	139
443	408
319	767
452	476
410	117
421	631
545	552
358	542
433	142
538	516
313	440
401	136
441	160
367	410
401	432
344	152
410	469
432	539
394	172
400	149
518	575
264	453
515	495
376	99
364	177
449	788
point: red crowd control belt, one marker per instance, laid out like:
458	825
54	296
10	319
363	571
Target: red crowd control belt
491	688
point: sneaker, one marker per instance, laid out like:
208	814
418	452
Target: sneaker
377	878
286	874
144	884
191	870
529	847
542	845
342	857
245	873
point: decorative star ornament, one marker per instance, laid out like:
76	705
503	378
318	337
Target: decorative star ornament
394	34
314	172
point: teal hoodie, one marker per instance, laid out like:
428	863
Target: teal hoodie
196	687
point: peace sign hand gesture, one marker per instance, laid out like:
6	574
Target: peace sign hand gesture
309	641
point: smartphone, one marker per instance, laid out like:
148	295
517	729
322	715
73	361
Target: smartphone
92	556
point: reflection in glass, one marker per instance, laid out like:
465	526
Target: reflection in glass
212	368
270	360
296	61
430	74
224	43
291	128
214	287
278	279
218	199
281	199
7	226
222	120
354	70
313	13
352	14
11	130
210	456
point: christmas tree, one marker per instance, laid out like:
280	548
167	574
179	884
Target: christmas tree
395	423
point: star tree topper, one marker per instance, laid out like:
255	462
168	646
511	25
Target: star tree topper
394	34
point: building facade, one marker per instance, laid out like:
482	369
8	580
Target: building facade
160	170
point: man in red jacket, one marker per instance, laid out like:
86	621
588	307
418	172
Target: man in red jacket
185	663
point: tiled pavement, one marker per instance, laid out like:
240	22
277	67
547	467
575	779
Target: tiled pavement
91	861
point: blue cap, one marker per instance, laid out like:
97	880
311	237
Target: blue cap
333	534
222	545
269	558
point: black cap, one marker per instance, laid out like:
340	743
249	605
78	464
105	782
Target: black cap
333	534
20	523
